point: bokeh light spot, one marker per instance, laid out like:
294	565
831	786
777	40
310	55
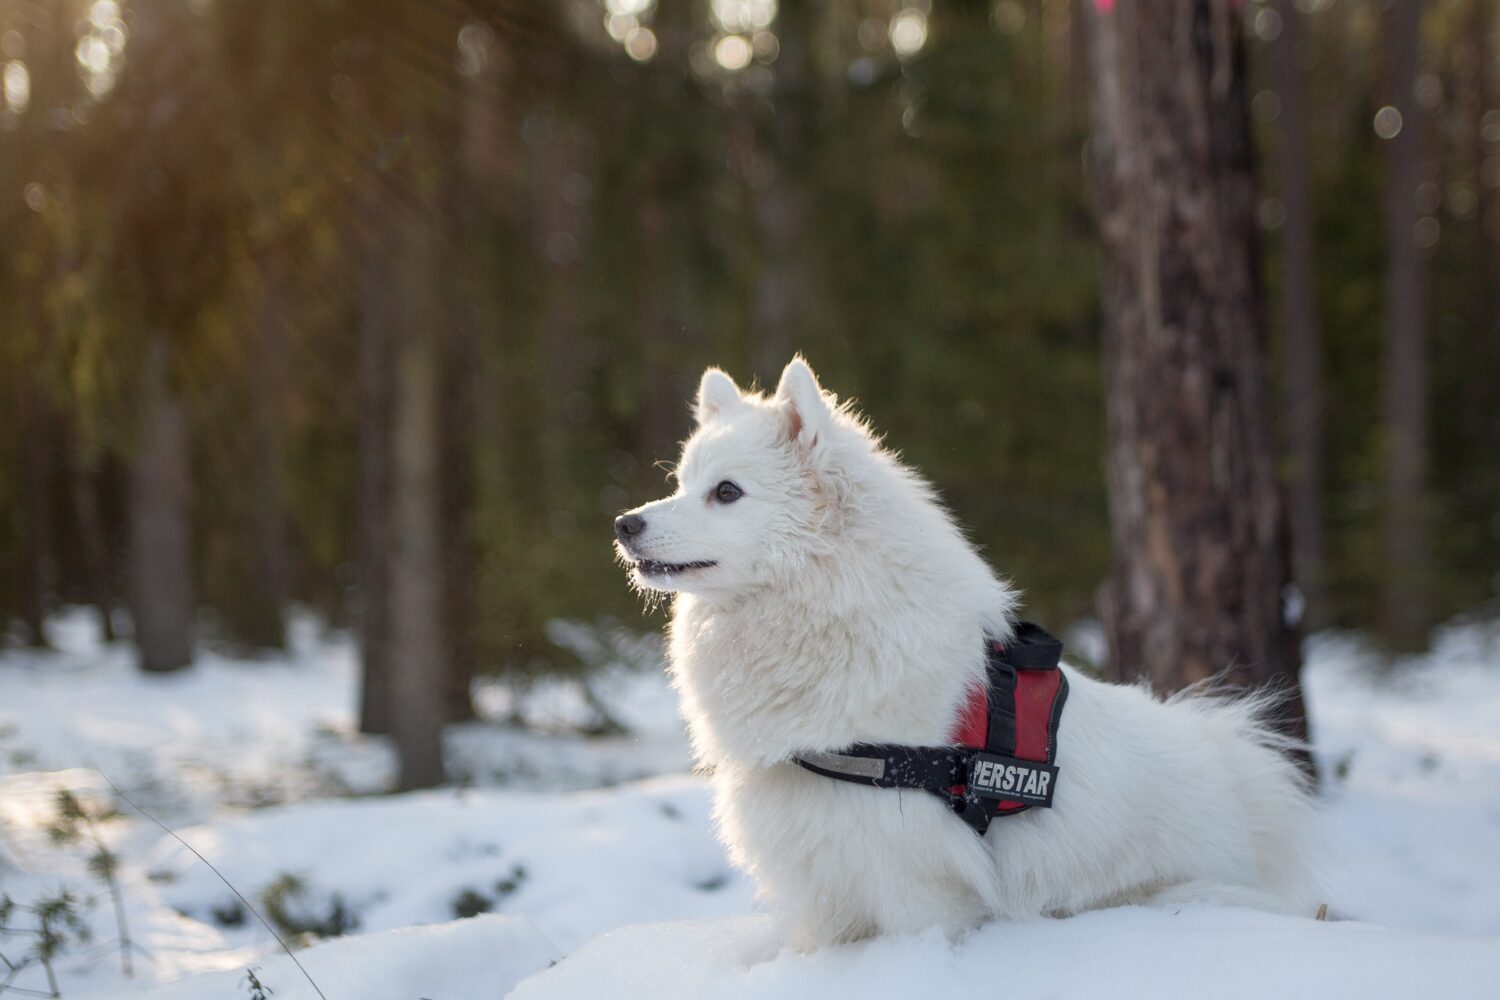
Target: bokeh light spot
1489	126
908	32
640	44
1267	24
629	8
104	13
1008	17
744	17
733	52
1387	122
17	83
620	25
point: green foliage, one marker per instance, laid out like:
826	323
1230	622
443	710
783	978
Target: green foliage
255	989
289	904
230	914
510	882
45	928
78	820
471	902
603	228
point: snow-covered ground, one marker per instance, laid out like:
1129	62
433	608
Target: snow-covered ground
598	854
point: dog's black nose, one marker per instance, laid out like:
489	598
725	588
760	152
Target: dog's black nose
627	526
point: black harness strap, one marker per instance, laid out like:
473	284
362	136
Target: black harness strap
978	783
1033	648
886	765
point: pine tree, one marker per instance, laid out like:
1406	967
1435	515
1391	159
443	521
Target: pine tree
1200	534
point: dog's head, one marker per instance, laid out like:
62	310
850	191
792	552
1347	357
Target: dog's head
757	490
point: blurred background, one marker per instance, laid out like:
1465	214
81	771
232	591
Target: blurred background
334	334
281	278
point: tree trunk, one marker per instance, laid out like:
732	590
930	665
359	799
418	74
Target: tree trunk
658	424
410	251
459	486
1481	403
261	621
460	379
418	675
1408	573
560	231
83	489
1303	349
489	180
778	312
1196	511
37	450
662	308
160	555
376	343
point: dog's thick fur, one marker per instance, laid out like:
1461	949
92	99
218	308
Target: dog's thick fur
844	605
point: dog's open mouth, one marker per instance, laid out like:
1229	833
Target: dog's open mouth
653	567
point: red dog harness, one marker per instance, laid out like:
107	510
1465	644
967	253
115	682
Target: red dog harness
1005	741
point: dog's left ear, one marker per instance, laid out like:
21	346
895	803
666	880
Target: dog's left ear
807	410
716	393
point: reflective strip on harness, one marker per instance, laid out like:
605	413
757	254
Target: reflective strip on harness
845	766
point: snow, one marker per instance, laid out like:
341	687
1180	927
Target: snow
1127	952
598	854
253	733
1412	826
577	865
485	956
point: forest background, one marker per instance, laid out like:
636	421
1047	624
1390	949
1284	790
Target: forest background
281	277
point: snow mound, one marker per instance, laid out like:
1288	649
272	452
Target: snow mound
481	957
1150	953
577	864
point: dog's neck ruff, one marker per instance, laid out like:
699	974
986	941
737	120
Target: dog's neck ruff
1005	740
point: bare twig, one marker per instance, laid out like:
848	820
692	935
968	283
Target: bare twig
230	885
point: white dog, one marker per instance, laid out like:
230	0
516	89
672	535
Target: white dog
823	598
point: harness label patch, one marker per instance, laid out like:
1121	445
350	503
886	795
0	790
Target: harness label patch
994	777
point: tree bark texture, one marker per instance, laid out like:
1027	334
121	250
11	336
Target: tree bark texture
1408	571
160	554
1197	515
1303	353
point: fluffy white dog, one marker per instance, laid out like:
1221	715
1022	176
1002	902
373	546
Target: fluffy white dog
824	597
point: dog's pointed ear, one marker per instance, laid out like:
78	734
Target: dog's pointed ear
807	409
716	394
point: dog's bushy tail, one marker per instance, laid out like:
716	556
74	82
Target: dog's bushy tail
1264	762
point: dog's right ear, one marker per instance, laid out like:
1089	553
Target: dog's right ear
806	409
717	393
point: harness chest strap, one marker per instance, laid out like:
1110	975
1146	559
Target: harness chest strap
1001	759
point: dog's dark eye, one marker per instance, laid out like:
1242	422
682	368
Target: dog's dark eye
727	492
